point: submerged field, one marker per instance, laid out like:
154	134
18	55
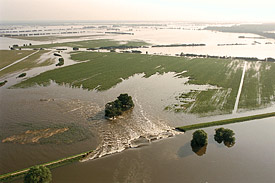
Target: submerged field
259	85
105	70
35	60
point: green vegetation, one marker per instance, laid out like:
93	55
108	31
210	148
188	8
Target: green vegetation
10	56
225	135
38	174
224	122
22	75
90	44
60	62
27	63
53	164
104	70
3	83
199	138
121	104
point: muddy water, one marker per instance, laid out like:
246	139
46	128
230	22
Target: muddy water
250	160
146	123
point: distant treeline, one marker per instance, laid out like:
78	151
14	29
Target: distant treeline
269	59
128	33
119	47
179	45
259	29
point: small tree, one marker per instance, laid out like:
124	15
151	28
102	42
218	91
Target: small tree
219	135
199	138
38	174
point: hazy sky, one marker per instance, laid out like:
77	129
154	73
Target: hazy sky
178	10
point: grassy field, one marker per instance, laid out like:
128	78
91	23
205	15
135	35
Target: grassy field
90	44
9	56
224	122
26	64
105	70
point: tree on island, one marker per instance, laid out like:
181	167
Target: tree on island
123	103
199	138
225	135
38	174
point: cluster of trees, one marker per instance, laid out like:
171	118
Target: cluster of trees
38	174
225	135
123	103
179	45
199	141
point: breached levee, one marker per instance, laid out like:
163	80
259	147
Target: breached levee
134	129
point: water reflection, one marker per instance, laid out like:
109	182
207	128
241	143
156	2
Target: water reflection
199	150
185	151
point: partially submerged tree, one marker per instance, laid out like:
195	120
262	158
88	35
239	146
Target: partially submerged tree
123	103
38	174
199	138
226	136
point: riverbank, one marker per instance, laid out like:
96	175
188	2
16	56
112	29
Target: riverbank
53	164
224	122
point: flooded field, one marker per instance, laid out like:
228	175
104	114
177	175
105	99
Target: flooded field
60	112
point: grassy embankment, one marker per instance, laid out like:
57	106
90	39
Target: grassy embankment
53	164
90	44
104	70
225	122
10	56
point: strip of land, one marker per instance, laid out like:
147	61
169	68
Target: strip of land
53	164
224	122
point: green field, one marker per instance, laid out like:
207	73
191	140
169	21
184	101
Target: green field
27	63
105	70
9	56
90	44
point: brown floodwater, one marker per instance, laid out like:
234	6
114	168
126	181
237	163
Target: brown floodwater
251	159
146	158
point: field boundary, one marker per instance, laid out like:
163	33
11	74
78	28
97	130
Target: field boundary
224	122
